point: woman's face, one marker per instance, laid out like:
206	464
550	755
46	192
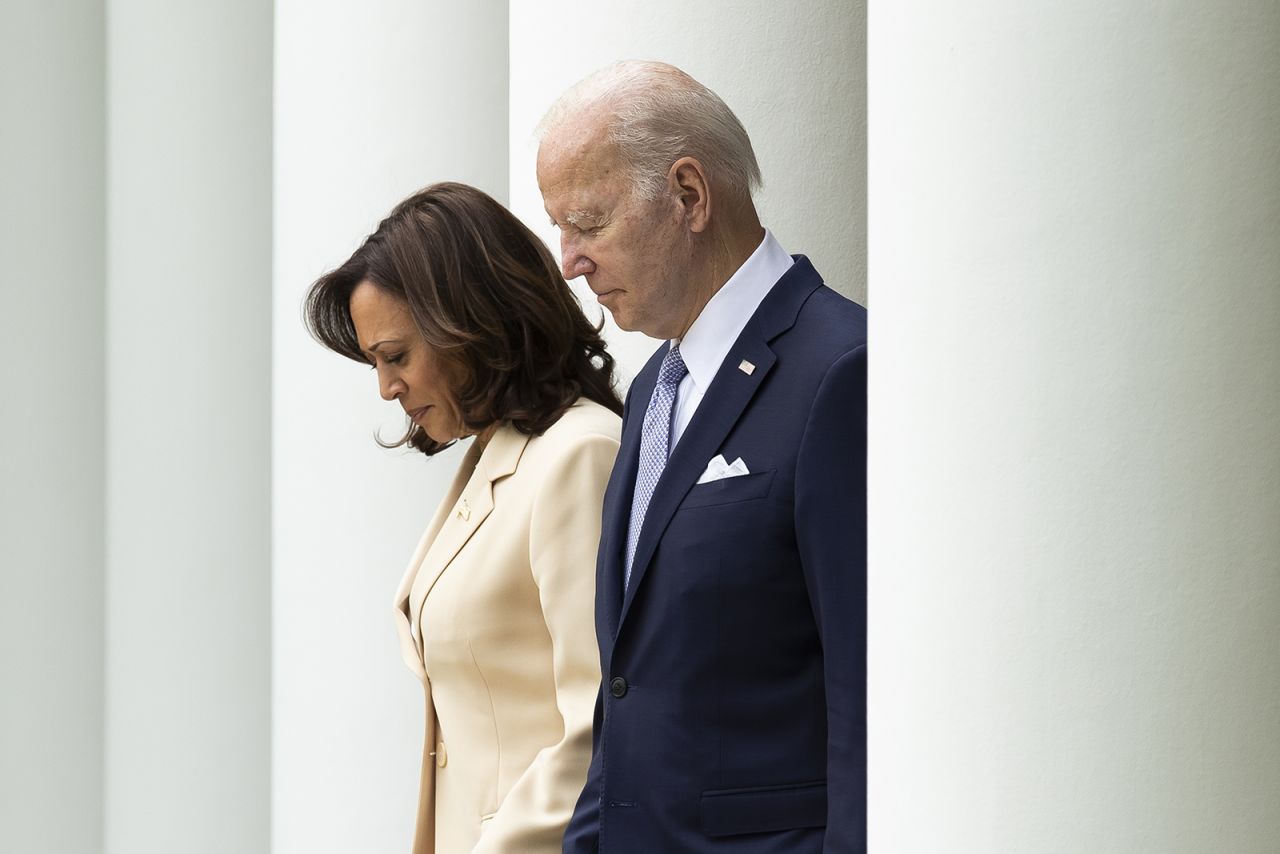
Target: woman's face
409	371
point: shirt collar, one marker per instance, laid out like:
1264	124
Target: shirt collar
723	318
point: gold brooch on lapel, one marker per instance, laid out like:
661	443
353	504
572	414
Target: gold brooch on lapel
464	510
746	367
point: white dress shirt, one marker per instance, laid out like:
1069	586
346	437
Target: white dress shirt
722	320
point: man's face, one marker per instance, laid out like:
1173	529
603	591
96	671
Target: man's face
632	252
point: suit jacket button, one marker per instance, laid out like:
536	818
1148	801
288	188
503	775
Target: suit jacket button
442	757
618	687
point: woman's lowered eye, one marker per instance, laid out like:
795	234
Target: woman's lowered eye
392	357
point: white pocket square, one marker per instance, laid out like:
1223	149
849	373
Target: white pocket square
718	469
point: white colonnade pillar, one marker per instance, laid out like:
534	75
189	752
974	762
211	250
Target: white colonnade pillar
373	101
51	469
1075	490
794	74
188	427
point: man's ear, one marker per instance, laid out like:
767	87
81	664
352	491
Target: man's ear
688	183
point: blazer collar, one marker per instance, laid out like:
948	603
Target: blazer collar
469	510
464	508
726	399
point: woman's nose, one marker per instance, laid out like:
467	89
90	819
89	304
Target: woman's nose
389	386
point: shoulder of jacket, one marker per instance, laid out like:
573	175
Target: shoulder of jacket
830	325
581	426
583	420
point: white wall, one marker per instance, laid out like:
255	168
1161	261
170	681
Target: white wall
51	416
187	426
373	101
1075	489
794	74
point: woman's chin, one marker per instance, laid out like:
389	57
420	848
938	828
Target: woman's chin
439	433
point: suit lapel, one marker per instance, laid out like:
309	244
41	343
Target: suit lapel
617	497
721	407
467	511
726	398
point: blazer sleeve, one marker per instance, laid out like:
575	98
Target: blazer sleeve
582	836
831	531
564	535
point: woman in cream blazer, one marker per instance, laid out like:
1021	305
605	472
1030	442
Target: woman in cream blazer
465	317
494	617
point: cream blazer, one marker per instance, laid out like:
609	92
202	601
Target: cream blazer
496	617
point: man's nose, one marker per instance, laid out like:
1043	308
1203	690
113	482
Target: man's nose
572	262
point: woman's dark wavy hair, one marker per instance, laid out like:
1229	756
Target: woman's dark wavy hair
488	297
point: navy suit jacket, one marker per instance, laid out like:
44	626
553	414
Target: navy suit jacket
732	711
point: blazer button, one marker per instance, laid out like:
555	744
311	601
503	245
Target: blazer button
618	687
442	757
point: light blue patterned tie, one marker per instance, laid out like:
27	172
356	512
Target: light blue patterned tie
655	443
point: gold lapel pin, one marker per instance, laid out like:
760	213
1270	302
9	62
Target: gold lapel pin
464	510
746	367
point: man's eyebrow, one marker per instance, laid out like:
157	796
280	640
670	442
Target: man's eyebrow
577	218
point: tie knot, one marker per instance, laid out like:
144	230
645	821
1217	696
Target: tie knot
673	368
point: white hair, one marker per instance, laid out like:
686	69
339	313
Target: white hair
656	114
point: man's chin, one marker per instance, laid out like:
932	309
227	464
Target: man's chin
621	318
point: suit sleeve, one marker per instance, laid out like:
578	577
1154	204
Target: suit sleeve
831	531
564	534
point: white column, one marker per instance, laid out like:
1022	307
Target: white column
1075	496
188	427
373	101
793	73
51	470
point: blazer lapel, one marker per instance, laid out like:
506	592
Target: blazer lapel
410	649
727	397
465	514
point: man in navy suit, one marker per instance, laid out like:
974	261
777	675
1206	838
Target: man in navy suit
731	581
